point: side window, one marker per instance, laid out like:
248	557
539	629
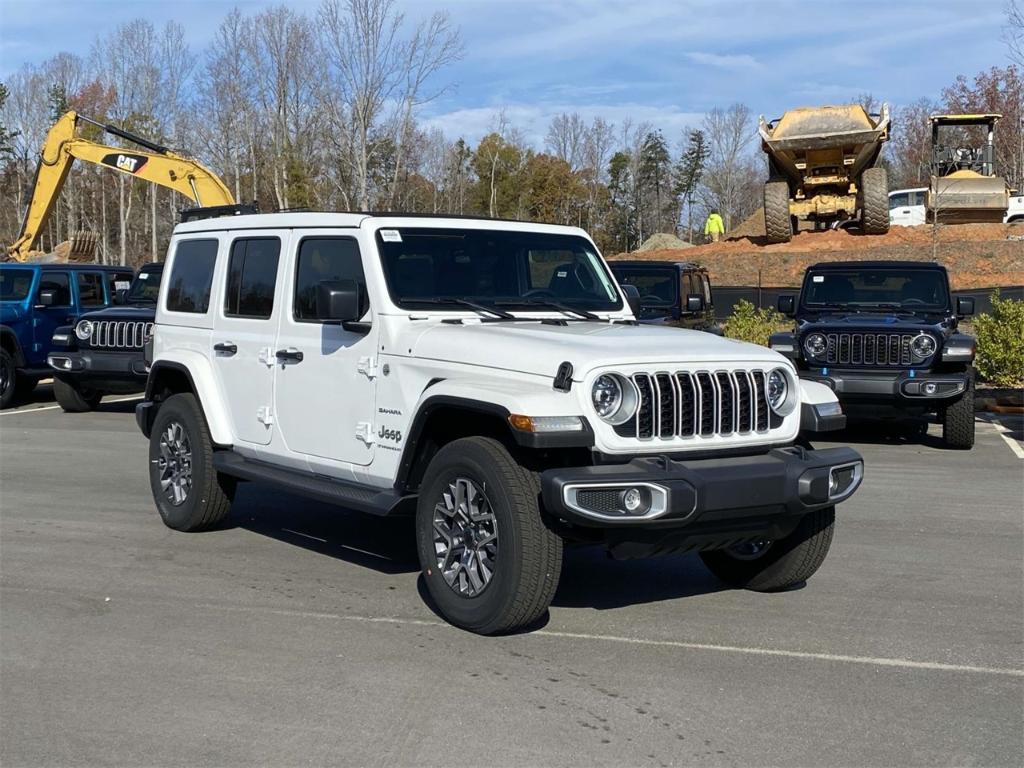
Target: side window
252	277
706	285
188	288
323	258
688	286
90	289
917	198
117	281
60	285
899	201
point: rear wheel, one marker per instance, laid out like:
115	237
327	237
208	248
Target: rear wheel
958	420
769	566
489	562
75	398
8	379
777	225
190	494
874	201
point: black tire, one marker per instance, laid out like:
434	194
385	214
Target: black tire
528	562
874	201
207	500
958	419
778	228
75	398
785	563
8	379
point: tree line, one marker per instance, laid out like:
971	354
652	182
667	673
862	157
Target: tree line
324	110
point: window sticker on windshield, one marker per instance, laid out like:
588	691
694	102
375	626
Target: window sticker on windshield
562	273
818	278
124	285
391	236
143	276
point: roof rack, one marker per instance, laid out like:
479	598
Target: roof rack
216	211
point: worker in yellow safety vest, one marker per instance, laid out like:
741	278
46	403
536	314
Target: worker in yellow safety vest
714	227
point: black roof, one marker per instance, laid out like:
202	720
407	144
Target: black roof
876	264
681	266
73	267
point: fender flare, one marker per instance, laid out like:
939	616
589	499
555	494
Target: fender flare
6	332
200	377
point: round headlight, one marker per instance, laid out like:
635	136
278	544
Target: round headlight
815	345
83	330
614	398
923	345
778	390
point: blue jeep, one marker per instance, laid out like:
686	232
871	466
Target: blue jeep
36	299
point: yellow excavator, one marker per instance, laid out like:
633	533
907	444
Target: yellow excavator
965	187
153	163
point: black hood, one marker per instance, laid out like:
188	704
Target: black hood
136	313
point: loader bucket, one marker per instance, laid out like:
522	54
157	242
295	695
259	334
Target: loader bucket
967	197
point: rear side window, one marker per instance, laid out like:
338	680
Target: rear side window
252	275
117	281
60	285
15	283
188	288
323	258
90	289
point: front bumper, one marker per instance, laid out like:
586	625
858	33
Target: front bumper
114	368
712	496
904	387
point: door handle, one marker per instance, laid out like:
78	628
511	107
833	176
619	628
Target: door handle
226	347
290	355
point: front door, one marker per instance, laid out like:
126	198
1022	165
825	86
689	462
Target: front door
325	400
243	339
47	318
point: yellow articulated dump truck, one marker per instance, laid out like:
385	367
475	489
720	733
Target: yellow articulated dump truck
823	167
964	186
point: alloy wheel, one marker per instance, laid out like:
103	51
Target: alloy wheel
175	463
465	537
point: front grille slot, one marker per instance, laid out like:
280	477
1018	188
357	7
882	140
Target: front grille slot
119	334
705	403
876	349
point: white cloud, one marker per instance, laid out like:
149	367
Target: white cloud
726	61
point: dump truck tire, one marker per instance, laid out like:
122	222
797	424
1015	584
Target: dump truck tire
777	225
874	213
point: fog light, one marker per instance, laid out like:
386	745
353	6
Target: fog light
632	499
843	480
930	388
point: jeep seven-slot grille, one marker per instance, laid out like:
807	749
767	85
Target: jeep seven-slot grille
119	334
869	348
703	403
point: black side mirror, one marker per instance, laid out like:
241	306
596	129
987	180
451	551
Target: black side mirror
120	295
787	305
339	301
632	294
964	306
47	298
694	302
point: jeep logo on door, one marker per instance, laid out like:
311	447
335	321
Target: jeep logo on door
125	162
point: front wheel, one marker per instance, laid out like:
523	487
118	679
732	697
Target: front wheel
769	566
958	419
489	562
75	398
189	493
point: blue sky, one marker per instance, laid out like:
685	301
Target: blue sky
658	61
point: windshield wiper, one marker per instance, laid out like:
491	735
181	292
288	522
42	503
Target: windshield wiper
548	304
451	300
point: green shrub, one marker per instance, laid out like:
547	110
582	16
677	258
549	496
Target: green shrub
1000	338
754	325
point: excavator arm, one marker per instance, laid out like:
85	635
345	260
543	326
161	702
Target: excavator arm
154	163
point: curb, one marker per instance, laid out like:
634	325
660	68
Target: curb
999	400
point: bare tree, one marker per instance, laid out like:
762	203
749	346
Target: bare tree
1013	32
566	139
731	179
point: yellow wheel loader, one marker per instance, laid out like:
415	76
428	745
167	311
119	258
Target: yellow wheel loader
964	186
155	163
823	167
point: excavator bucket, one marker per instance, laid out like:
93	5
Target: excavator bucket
80	249
966	197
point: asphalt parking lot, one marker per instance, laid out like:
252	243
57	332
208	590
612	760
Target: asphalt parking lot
297	635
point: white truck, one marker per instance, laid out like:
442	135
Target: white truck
907	208
489	378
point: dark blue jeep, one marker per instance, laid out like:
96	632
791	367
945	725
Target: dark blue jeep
35	300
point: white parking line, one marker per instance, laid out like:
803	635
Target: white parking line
53	407
1004	433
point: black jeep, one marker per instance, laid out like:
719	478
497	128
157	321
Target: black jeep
102	353
671	293
883	335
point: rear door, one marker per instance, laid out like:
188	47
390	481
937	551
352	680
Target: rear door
244	330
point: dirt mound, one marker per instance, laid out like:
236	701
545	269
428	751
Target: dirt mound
662	241
976	255
752	226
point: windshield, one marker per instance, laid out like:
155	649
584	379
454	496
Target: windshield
885	287
658	288
515	270
15	284
145	286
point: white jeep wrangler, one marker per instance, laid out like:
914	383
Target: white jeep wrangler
488	377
